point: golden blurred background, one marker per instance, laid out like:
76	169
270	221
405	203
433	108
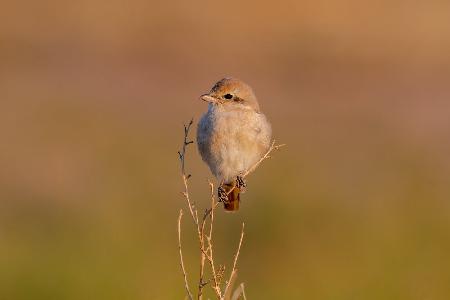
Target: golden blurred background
94	95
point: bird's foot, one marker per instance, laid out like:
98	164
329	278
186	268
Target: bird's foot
240	183
222	194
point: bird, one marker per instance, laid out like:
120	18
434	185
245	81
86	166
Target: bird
232	136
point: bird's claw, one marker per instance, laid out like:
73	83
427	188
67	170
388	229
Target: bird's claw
222	194
240	183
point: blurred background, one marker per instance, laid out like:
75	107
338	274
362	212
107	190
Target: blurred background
94	95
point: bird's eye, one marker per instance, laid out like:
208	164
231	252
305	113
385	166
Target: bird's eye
228	96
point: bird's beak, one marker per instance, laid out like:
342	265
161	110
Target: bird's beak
209	98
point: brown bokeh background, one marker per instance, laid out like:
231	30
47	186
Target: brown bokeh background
93	98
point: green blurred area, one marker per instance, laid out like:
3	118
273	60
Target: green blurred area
93	99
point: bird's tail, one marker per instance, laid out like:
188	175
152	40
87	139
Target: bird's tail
233	197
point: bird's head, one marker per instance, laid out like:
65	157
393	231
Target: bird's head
233	93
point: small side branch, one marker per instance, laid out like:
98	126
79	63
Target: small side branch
182	153
272	147
182	156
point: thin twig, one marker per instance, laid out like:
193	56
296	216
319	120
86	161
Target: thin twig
186	285
272	147
233	271
201	282
186	143
182	155
209	250
188	200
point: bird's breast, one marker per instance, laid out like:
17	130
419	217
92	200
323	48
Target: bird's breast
230	142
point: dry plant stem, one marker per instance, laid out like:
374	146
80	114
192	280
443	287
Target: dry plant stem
200	228
206	248
272	147
204	252
182	155
209	250
233	270
185	144
186	286
201	283
194	214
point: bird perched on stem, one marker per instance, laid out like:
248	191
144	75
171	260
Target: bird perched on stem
232	136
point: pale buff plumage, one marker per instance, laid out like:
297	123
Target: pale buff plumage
233	134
